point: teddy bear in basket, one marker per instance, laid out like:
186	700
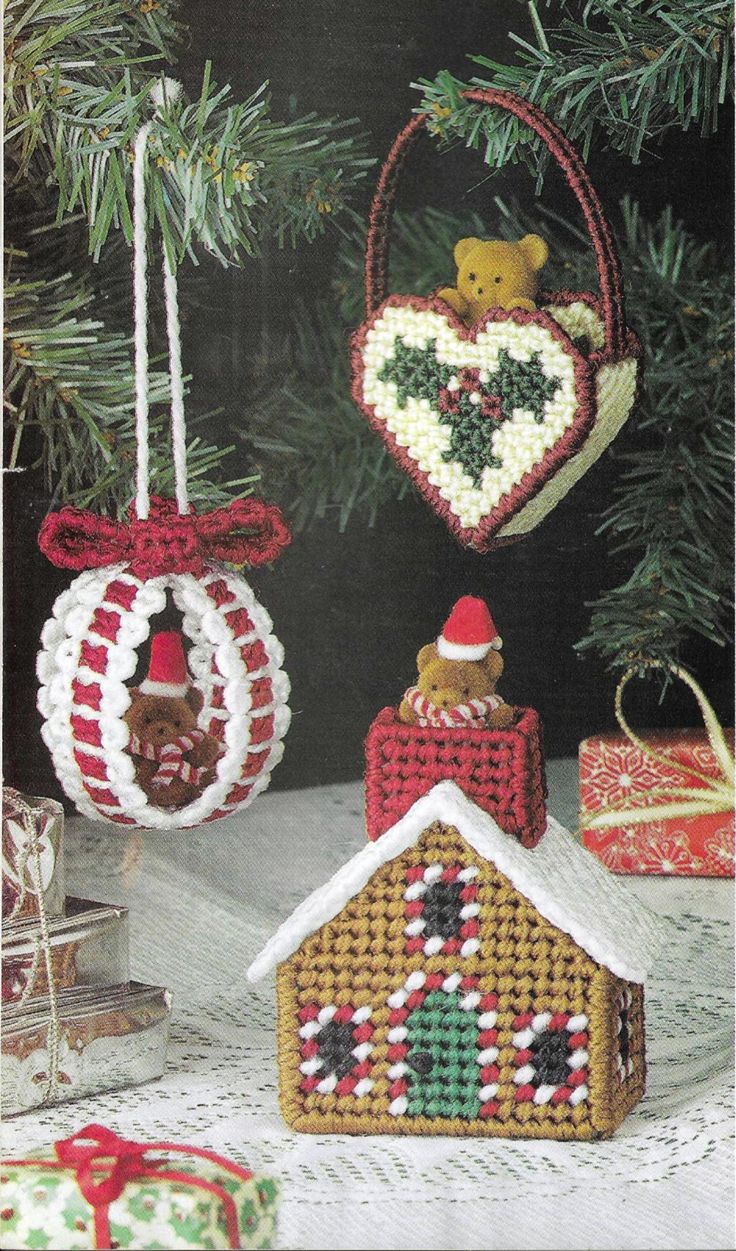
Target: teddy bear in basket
174	759
457	678
493	273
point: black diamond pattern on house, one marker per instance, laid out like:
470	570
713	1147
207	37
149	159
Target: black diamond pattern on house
441	911
551	1051
473	409
335	1042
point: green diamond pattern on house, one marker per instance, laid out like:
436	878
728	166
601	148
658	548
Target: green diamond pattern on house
473	403
442	1041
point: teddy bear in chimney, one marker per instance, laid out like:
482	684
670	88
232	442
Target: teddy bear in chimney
458	674
174	759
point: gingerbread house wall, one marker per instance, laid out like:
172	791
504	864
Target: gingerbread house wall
507	983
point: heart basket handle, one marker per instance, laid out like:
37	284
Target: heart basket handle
571	164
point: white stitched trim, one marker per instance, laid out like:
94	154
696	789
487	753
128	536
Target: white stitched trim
58	665
543	1094
488	1056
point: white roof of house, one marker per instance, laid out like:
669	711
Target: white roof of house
563	881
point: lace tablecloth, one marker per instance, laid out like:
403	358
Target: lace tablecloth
203	902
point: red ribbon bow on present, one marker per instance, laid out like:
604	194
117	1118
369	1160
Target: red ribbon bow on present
104	1163
246	532
96	1149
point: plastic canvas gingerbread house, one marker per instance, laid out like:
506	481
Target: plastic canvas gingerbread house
449	980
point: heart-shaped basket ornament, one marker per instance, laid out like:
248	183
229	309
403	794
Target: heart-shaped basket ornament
495	423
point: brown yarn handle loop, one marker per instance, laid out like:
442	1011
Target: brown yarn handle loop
571	164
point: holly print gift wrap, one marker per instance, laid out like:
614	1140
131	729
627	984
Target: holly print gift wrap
615	774
98	1190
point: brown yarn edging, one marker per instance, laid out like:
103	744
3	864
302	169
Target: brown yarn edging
566	156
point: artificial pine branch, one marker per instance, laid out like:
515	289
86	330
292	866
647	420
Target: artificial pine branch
221	175
622	74
674	505
70	379
220	172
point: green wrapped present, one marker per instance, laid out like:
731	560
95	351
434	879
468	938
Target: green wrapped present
99	1190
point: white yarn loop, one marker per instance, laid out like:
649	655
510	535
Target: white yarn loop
168	90
140	319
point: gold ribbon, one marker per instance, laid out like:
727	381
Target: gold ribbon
714	795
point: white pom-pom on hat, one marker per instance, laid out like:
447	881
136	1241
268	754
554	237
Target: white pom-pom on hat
469	632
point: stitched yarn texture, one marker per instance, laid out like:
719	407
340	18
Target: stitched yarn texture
88	654
502	771
493	422
518	1037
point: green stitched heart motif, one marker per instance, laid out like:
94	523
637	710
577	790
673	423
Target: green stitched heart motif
473	402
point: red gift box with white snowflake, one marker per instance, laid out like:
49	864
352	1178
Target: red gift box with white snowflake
616	774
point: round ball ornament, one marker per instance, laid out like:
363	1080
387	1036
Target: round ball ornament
90	653
198	738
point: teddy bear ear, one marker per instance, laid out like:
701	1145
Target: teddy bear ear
195	699
462	247
426	655
535	250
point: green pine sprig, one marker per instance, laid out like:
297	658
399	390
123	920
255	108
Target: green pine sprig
69	380
623	74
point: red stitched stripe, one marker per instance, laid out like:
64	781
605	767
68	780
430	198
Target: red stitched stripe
94	657
102	796
106	624
122	593
261	729
220	593
261	693
91	766
88	694
86	730
254	656
239	622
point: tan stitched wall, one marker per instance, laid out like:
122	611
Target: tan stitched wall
359	959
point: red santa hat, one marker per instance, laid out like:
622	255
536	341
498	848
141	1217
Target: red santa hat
469	632
167	670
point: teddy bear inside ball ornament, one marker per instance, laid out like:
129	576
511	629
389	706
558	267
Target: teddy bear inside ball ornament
174	759
458	674
494	273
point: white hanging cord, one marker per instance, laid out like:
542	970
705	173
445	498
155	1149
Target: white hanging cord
178	422
140	320
167	90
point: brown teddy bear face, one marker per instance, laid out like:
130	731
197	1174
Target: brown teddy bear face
447	683
159	719
493	273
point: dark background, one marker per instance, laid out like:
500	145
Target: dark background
352	609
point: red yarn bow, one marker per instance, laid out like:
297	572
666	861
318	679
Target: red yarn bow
246	532
103	1163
